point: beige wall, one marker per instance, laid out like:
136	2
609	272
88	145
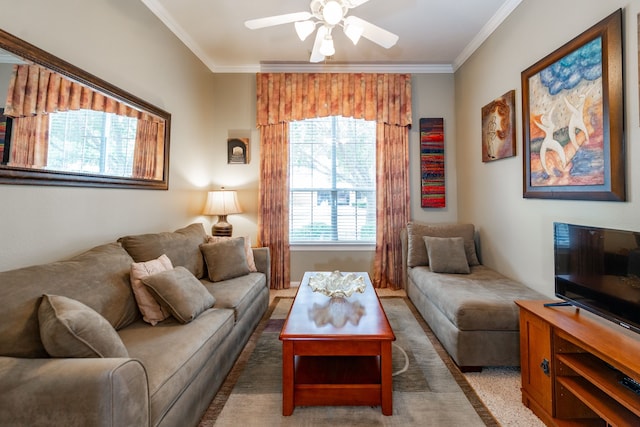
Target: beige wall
516	233
122	42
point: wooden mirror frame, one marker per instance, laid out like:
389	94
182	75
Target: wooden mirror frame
18	175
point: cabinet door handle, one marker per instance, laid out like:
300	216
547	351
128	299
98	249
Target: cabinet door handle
545	366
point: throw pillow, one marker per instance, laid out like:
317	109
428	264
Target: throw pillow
447	255
225	259
181	246
69	328
152	311
180	292
247	249
416	251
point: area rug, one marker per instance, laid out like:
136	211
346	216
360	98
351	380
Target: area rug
429	390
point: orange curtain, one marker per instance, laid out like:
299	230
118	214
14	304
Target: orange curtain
30	142
393	203
286	97
148	154
36	90
273	202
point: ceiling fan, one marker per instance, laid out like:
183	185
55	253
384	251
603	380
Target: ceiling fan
327	14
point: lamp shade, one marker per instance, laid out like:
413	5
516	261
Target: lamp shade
222	203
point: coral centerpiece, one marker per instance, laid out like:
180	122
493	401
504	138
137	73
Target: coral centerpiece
336	284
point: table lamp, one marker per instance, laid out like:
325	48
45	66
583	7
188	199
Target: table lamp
222	203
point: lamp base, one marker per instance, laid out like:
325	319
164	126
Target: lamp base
222	227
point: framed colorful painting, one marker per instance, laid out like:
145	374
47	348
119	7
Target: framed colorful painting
572	118
499	128
433	190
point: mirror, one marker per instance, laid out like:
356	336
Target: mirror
60	125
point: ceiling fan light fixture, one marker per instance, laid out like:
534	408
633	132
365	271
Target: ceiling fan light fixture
304	29
332	12
327	48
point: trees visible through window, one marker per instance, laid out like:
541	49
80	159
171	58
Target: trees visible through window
332	180
92	141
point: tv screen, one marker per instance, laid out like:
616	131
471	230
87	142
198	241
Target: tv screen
598	269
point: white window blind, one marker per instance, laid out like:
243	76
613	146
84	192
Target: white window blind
92	141
332	180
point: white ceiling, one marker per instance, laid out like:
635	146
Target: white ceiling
434	35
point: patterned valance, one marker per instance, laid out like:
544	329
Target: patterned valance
286	97
35	90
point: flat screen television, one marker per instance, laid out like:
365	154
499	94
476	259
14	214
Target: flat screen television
598	269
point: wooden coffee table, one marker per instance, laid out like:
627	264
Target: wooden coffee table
336	351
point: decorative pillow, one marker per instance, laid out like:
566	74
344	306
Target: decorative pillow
181	246
180	292
446	254
247	249
225	259
417	252
68	328
152	311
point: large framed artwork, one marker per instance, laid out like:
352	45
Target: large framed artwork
433	190
573	118
499	128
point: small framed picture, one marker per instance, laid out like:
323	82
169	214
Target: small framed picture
498	128
238	151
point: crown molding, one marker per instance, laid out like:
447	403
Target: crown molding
495	21
162	14
281	67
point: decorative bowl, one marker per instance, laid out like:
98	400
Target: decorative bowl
336	284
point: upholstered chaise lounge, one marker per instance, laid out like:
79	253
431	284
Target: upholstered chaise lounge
469	306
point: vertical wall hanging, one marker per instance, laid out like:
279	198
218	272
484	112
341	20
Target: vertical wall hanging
432	163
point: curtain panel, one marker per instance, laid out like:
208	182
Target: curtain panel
286	97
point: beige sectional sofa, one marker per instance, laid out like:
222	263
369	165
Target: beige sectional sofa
76	351
469	306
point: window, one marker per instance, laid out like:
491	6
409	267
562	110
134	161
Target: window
332	180
91	141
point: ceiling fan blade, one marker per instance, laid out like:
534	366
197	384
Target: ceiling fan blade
270	21
354	3
316	56
374	33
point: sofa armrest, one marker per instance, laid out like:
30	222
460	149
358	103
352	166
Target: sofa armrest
404	242
262	258
73	392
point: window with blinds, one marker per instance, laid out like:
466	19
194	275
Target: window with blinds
92	141
332	181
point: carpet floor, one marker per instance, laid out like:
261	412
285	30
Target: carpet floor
431	390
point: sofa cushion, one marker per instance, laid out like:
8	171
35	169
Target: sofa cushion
152	311
247	249
98	278
181	246
446	254
173	354
69	328
225	259
180	292
417	251
481	300
238	293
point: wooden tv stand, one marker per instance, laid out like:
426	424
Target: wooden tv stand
572	362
